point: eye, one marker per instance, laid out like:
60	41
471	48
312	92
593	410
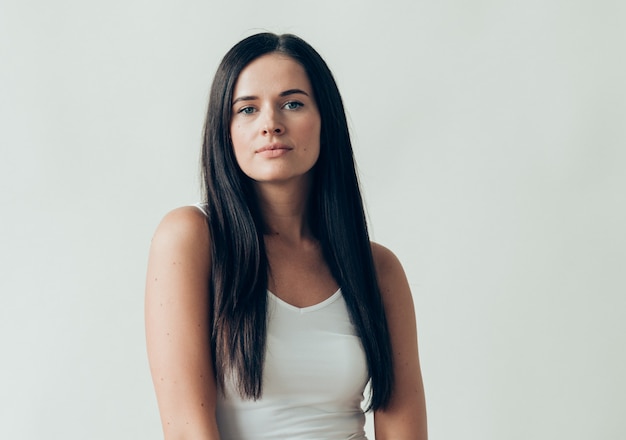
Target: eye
292	105
246	110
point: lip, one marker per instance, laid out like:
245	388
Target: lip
271	147
273	150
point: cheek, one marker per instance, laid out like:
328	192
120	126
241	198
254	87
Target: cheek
237	137
312	129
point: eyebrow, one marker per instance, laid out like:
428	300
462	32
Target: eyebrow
285	93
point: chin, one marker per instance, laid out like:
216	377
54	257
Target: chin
282	178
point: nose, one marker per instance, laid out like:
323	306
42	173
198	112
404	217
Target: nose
272	125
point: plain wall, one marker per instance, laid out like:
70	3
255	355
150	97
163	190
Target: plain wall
490	138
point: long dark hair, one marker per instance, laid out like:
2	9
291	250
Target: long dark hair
238	285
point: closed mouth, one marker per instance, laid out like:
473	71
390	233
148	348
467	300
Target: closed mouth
273	147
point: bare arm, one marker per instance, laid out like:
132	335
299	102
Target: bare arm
177	333
405	417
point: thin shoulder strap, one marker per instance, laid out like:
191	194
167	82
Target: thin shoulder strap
201	207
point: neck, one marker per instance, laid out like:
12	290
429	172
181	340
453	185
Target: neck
285	209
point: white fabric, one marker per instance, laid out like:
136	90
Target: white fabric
314	376
313	380
201	207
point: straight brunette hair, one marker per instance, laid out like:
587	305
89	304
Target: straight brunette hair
239	265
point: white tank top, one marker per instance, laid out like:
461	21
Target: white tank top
314	375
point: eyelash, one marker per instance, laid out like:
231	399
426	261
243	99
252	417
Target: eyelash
244	111
297	103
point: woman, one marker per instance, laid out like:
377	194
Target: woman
267	307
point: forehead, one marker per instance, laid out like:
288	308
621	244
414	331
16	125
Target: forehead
273	72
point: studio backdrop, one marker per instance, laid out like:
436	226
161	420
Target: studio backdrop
490	137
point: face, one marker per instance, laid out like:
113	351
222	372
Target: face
275	125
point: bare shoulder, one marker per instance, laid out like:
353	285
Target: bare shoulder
391	276
179	258
182	228
383	257
395	291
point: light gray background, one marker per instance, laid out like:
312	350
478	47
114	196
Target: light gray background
490	137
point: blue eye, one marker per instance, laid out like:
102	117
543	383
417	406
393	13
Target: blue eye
246	110
293	105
